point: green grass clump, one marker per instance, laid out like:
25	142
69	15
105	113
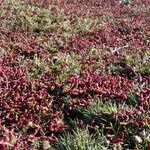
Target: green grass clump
82	140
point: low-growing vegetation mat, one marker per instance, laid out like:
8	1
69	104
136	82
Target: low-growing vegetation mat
74	74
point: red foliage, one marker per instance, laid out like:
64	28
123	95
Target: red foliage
20	43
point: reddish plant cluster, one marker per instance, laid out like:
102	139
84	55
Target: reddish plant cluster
121	36
27	107
19	43
135	117
38	109
106	86
109	4
40	92
23	103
